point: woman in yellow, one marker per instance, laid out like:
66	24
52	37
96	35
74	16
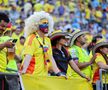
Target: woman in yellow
37	49
101	62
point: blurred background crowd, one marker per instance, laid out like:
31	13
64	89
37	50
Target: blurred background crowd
91	15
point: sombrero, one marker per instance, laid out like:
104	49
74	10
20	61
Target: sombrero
99	45
75	34
57	34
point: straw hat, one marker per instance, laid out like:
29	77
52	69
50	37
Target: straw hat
100	44
57	34
75	34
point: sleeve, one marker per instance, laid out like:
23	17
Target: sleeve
29	48
73	54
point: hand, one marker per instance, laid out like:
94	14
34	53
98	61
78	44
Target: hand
93	59
9	44
61	74
84	76
87	78
21	72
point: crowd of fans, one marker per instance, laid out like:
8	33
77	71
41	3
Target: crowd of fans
69	16
88	15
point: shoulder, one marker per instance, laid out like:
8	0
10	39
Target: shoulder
99	58
47	38
72	49
30	39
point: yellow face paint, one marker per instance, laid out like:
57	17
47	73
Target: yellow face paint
43	21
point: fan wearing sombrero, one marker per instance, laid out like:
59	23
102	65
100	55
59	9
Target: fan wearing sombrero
79	54
101	62
61	55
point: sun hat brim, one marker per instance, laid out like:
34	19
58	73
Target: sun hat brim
99	45
76	35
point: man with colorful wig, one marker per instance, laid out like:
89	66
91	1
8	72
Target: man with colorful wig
37	50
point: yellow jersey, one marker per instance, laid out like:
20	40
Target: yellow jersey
38	65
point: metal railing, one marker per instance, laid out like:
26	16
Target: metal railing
99	83
12	75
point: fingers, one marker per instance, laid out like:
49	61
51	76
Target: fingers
88	79
64	76
9	44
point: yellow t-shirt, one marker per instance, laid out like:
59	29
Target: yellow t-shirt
38	7
14	36
99	58
35	49
3	59
87	11
48	8
19	49
80	55
72	6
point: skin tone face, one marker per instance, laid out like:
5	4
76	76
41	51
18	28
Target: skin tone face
62	41
3	26
22	41
104	50
82	39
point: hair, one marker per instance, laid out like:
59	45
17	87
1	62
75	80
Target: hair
32	23
56	40
4	17
22	37
98	49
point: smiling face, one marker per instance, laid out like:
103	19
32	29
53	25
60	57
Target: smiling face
43	25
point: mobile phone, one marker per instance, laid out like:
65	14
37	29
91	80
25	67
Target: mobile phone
14	40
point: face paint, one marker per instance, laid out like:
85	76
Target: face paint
43	25
44	28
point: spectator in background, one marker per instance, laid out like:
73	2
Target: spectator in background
27	8
61	9
14	14
19	50
20	46
94	3
67	26
38	7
